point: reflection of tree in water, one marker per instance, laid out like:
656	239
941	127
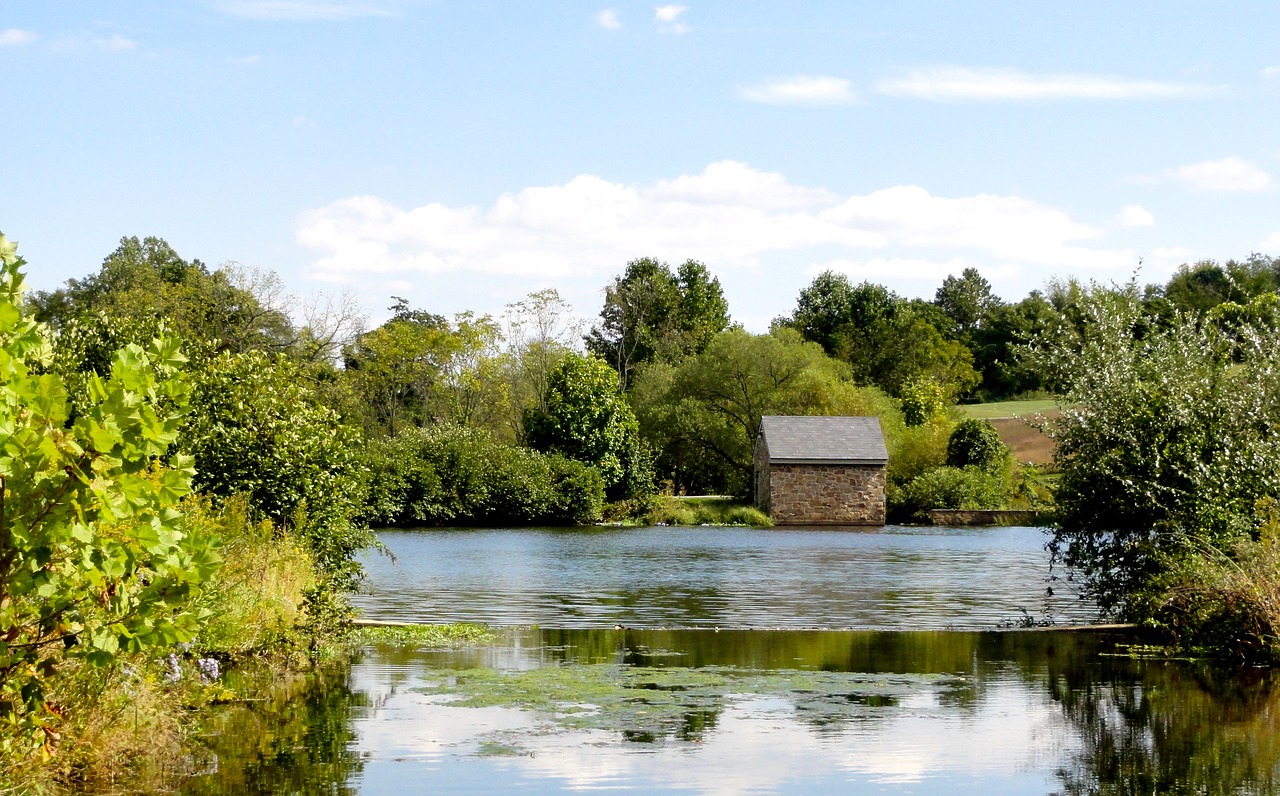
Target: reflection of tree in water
296	738
1171	729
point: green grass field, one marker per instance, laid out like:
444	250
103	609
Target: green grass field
1007	409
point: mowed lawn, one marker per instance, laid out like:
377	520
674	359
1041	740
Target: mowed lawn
1008	409
1027	443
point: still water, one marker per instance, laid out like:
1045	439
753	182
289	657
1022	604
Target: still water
686	699
891	578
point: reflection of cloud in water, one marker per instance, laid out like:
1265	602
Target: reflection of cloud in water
1012	734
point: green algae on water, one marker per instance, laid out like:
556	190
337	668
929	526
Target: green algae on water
650	705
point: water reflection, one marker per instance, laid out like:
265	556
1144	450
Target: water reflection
698	711
890	578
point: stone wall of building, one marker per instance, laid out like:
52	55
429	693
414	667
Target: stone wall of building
760	466
826	494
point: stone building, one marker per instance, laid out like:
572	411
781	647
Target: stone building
821	470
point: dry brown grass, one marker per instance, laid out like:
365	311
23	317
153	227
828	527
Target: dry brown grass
1027	443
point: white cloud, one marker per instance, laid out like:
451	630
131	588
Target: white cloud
247	60
668	18
908	269
1136	216
608	19
958	84
1271	71
801	90
668	13
302	9
1271	244
14	36
730	215
1227	174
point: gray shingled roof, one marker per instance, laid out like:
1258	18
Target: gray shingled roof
822	440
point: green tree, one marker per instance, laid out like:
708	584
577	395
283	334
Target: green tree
1166	443
652	314
885	341
586	419
94	559
419	368
967	299
144	282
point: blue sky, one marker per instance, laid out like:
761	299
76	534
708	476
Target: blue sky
462	155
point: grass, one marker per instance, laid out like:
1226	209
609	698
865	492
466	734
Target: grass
705	510
1003	409
1009	418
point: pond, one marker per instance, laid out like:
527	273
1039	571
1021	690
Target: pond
891	578
692	694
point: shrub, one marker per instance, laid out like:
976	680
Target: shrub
449	474
976	443
948	488
257	430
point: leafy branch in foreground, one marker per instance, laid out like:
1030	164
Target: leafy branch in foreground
94	560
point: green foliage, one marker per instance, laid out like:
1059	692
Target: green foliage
255	604
922	401
967	300
703	417
256	429
705	511
976	443
884	339
586	419
418	368
948	488
145	282
444	475
424	636
653	315
1166	434
916	449
95	562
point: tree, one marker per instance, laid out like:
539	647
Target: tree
586	419
652	314
94	558
540	331
1166	444
885	341
967	300
419	368
145	281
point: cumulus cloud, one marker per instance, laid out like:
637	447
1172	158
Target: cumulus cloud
1136	216
14	36
1227	174
730	215
960	84
668	19
302	9
1271	71
1271	244
608	19
801	90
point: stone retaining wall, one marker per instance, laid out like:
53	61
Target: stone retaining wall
826	494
